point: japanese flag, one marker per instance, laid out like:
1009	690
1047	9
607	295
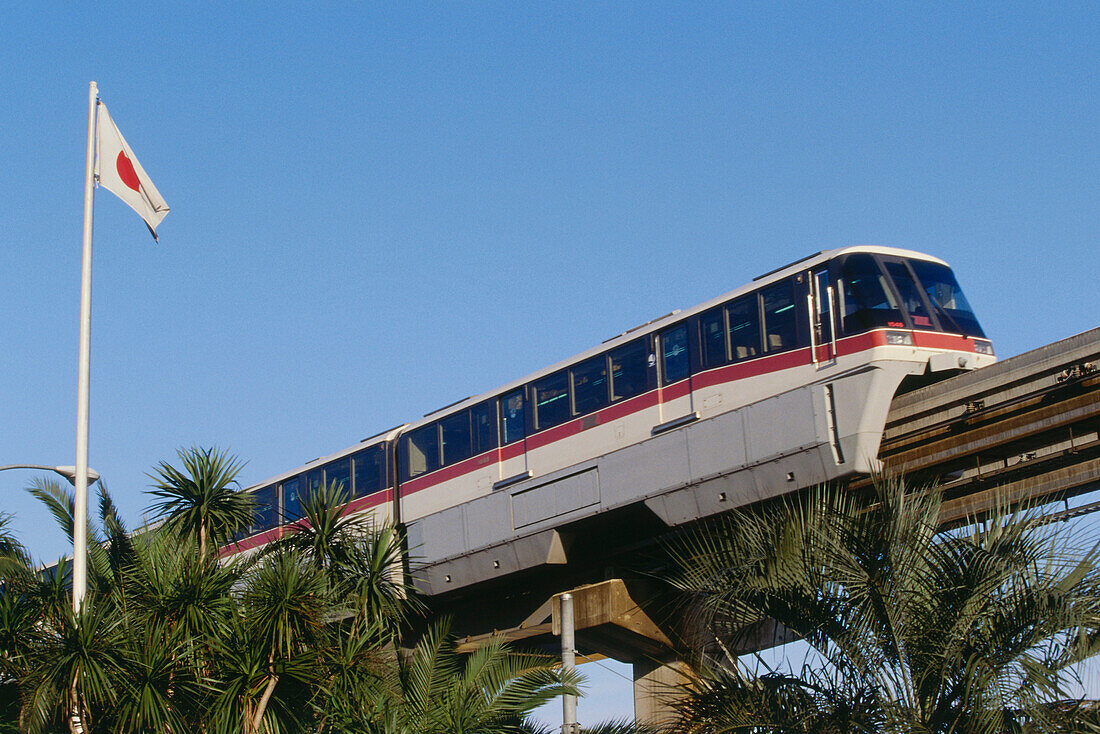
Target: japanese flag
117	170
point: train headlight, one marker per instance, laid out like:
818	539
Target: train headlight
900	338
983	347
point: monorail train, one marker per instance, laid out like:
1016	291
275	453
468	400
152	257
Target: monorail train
775	386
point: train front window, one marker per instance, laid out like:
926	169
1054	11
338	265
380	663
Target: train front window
866	300
947	298
911	299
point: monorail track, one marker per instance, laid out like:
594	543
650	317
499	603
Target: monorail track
1025	428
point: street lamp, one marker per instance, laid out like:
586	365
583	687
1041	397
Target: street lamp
69	472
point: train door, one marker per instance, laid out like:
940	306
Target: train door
822	319
513	438
674	357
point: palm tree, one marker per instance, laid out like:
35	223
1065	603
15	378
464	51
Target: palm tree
916	628
202	499
434	689
365	560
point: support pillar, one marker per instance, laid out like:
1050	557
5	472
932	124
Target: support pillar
656	687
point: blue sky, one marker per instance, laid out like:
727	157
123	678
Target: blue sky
379	209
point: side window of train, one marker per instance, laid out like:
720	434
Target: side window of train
551	398
484	425
512	421
712	332
629	370
369	467
780	317
823	307
454	431
292	499
339	473
314	480
675	363
267	508
744	327
420	451
590	385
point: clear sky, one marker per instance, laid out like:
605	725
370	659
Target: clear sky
380	209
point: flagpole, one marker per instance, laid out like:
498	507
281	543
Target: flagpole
80	504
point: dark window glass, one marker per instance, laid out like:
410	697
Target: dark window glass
339	472
713	328
292	499
780	321
590	385
420	451
484	422
865	300
629	370
674	355
911	300
824	322
744	321
314	479
369	469
551	400
267	508
947	298
455	433
512	423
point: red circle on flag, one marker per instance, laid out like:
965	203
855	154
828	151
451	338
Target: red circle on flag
126	171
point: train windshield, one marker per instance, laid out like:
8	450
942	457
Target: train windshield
912	294
946	297
866	299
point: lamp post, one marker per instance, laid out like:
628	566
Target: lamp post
69	472
80	520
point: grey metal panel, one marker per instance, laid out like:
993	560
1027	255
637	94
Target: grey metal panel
555	498
724	493
645	468
442	534
780	425
415	536
675	507
487	520
534	550
716	445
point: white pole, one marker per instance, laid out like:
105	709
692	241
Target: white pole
568	660
80	504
